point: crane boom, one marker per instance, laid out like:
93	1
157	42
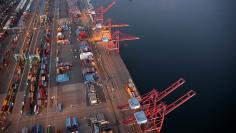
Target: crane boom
117	35
152	98
109	7
179	101
171	88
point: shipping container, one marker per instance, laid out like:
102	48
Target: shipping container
34	129
88	70
24	130
39	128
60	107
75	121
50	129
68	122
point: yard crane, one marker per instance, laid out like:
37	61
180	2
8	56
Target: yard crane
149	112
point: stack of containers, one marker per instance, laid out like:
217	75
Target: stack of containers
81	33
87	63
72	124
44	67
41	80
37	128
31	86
62	68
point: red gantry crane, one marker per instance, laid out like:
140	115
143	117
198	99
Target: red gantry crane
117	37
104	33
111	40
152	96
149	112
99	14
108	24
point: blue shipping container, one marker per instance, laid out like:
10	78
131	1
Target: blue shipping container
39	128
68	124
75	121
34	129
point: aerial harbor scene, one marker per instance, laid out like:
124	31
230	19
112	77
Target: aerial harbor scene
117	66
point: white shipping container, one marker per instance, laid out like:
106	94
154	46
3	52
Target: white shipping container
86	55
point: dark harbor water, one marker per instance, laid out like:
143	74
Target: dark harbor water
193	39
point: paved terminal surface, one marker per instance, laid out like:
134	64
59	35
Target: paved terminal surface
113	76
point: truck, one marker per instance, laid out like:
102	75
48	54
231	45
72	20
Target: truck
87	70
87	63
34	129
60	107
63	77
75	121
92	98
104	125
60	36
68	123
63	69
84	47
50	129
39	128
86	56
24	130
65	64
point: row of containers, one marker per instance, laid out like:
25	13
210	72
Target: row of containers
62	71
89	72
8	102
99	124
87	63
72	125
61	39
63	68
37	128
36	92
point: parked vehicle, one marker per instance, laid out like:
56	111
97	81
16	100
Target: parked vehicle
39	128
68	123
60	107
63	69
50	129
24	130
65	64
34	129
75	121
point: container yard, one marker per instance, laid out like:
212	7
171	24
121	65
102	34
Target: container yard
64	73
